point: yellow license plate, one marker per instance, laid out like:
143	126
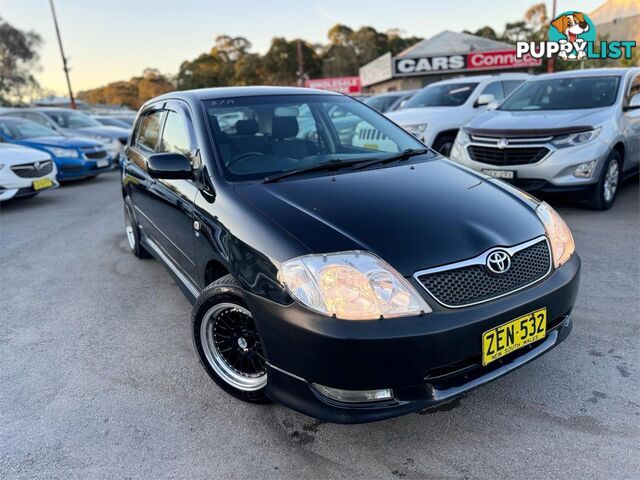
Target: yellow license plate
41	183
515	334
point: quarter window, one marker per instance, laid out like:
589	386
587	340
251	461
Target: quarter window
175	137
148	131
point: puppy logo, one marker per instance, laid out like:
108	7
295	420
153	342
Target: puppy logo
572	36
571	30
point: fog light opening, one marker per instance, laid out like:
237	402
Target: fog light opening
584	170
354	396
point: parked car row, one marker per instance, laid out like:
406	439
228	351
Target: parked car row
45	146
574	133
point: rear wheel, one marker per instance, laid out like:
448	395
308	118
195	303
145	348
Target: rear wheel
604	195
133	231
227	341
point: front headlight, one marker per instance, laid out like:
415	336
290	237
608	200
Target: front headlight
462	139
558	233
63	152
350	286
102	139
574	139
416	130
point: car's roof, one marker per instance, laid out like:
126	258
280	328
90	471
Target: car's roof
4	116
589	72
235	92
396	93
482	78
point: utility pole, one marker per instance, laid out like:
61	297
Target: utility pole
65	67
300	64
551	62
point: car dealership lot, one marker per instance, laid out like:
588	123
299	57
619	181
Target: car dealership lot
98	378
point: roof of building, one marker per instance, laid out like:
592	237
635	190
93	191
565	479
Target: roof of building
613	10
451	43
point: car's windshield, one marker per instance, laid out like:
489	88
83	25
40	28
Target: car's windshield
448	95
23	129
71	119
564	94
265	135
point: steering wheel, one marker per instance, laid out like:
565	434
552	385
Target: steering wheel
242	156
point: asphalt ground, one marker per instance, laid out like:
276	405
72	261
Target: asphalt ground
98	378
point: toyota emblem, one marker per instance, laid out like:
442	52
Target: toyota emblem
498	262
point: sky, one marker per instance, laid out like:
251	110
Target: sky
110	40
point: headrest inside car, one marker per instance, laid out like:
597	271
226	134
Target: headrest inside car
284	127
247	127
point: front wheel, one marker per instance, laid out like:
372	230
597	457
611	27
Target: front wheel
227	341
604	194
444	144
133	231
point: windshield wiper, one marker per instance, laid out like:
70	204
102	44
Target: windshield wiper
403	155
330	165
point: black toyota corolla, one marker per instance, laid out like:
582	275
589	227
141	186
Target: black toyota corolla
337	265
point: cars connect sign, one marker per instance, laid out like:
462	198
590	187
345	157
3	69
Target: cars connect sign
348	85
456	63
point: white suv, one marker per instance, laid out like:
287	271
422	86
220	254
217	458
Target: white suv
25	172
436	113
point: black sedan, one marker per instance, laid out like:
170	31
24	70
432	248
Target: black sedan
352	279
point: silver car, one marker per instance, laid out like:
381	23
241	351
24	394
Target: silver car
575	132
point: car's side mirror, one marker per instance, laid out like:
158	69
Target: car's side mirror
634	102
493	105
485	99
170	166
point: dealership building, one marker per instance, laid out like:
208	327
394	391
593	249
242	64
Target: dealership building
446	55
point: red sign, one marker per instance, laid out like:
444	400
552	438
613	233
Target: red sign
500	59
349	85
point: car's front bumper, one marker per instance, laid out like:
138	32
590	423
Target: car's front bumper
77	168
425	359
13	186
553	173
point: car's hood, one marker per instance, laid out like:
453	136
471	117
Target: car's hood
60	141
414	116
16	154
103	131
432	214
540	120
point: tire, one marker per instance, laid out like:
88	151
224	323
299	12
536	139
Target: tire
132	231
227	341
606	190
444	144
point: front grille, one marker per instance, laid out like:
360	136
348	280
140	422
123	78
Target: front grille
96	155
473	284
30	171
507	156
72	168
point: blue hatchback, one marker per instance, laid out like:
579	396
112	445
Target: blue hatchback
74	157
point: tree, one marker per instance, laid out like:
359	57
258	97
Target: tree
18	58
131	93
281	61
